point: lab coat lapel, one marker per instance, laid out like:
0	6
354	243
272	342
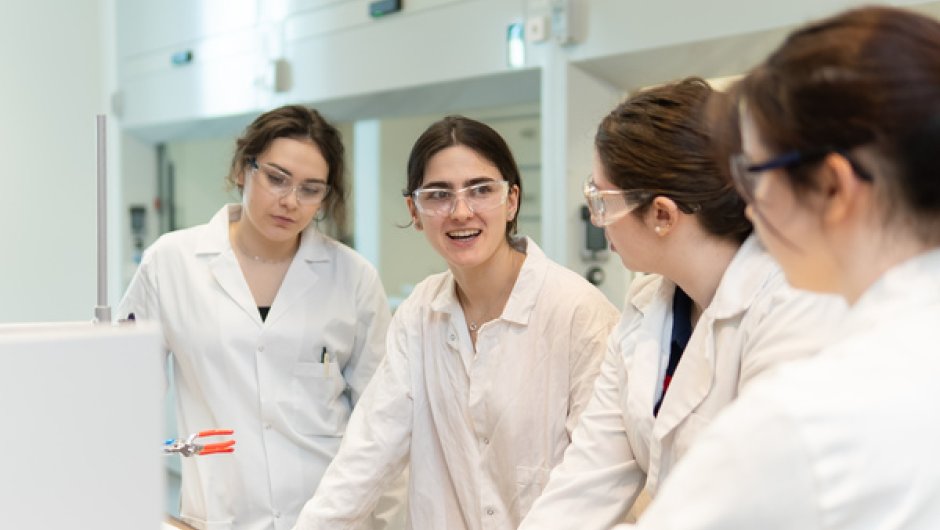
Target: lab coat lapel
653	302
646	350
695	374
302	274
215	246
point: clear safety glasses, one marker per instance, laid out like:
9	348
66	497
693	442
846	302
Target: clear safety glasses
609	206
480	197
279	184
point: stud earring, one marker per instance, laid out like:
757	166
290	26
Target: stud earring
658	230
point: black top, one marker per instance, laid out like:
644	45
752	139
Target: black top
264	312
681	331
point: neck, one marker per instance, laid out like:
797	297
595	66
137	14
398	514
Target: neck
698	268
869	256
484	290
253	245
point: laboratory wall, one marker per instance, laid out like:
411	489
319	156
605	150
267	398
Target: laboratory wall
54	83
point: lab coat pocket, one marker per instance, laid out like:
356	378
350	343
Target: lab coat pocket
315	401
530	481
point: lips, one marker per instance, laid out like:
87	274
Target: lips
463	235
282	220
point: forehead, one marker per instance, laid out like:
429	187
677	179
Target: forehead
300	158
459	165
599	174
751	143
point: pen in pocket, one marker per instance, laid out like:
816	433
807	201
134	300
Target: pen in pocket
325	359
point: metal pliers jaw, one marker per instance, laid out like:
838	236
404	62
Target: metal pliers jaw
188	447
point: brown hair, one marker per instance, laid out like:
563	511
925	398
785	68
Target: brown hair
299	123
659	140
867	78
475	135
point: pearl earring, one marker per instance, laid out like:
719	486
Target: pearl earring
659	230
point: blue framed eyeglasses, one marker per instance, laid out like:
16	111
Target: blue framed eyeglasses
747	175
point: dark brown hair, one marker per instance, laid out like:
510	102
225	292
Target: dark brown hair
867	79
475	135
299	123
659	140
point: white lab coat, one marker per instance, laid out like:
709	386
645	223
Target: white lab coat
755	321
265	379
481	429
844	440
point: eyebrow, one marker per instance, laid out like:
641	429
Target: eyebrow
468	182
289	174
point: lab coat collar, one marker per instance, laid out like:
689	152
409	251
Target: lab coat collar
524	293
215	240
748	271
650	294
300	276
908	285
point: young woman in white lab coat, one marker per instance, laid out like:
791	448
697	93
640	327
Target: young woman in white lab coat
274	328
714	316
841	128
489	364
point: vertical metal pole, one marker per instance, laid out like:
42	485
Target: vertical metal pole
102	309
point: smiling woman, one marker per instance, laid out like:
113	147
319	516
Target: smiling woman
489	364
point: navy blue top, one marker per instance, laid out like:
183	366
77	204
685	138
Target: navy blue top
681	331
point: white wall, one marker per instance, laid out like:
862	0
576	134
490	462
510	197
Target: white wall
53	86
200	169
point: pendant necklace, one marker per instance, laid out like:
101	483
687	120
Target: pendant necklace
259	259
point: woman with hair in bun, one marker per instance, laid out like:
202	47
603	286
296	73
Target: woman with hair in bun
715	314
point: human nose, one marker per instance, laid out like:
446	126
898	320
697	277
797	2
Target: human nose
461	208
291	196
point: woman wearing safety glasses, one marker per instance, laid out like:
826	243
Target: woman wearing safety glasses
489	364
841	128
274	328
715	314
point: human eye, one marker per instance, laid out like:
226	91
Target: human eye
276	180
438	195
313	189
483	189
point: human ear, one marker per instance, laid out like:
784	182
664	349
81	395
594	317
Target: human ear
840	187
663	215
413	212
513	201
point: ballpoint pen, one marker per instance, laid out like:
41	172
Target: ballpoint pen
325	359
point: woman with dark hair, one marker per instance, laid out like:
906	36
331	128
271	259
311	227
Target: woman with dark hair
274	328
840	129
714	316
489	364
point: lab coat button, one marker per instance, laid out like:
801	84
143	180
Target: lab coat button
260	348
277	515
267	426
490	511
452	337
486	441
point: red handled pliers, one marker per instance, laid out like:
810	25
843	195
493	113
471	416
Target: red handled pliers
189	447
